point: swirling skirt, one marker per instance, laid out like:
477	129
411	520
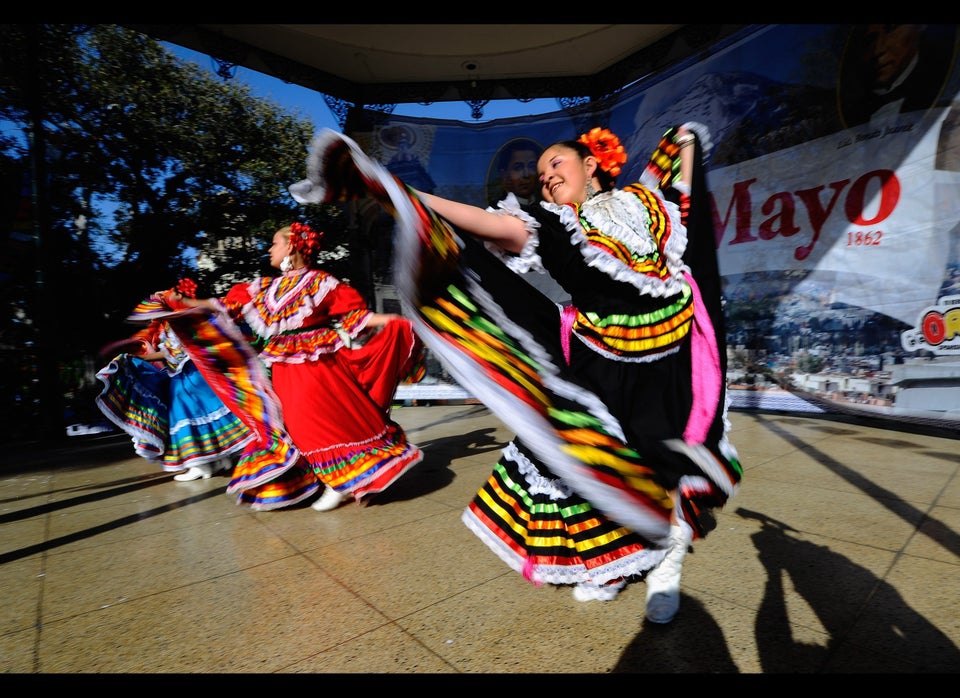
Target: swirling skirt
541	528
337	411
176	420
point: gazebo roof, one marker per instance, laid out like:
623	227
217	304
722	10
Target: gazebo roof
383	64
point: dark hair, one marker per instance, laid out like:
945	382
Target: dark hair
606	180
304	240
516	145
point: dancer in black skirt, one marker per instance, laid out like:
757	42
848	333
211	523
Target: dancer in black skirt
618	399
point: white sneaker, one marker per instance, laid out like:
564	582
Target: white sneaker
589	591
195	473
663	581
204	470
330	499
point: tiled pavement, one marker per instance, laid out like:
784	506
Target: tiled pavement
840	553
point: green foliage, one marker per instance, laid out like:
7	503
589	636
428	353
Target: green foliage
149	169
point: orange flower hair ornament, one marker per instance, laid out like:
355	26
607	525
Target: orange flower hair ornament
305	240
606	148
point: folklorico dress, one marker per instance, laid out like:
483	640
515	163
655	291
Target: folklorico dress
307	389
632	305
335	379
616	400
171	413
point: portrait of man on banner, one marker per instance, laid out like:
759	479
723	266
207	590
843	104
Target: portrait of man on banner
513	170
893	69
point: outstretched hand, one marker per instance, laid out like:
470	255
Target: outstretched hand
381	319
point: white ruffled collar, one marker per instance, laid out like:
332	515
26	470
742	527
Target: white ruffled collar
621	216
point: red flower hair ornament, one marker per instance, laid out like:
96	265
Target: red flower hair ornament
187	287
606	148
305	240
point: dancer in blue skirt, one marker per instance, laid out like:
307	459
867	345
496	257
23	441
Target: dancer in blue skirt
157	395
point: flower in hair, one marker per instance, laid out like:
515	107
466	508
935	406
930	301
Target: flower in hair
606	148
187	287
305	240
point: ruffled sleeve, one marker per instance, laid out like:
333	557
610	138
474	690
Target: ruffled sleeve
528	259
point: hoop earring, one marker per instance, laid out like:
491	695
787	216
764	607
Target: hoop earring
286	264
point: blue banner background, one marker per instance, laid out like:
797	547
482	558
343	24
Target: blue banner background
838	236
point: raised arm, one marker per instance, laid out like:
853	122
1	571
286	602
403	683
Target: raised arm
152	356
685	138
503	230
176	300
381	319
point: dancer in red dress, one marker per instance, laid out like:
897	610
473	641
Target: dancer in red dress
334	366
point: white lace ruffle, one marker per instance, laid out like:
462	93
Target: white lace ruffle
305	304
313	189
631	565
619	215
553	487
528	259
703	135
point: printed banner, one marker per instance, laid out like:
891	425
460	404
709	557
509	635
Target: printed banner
835	180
